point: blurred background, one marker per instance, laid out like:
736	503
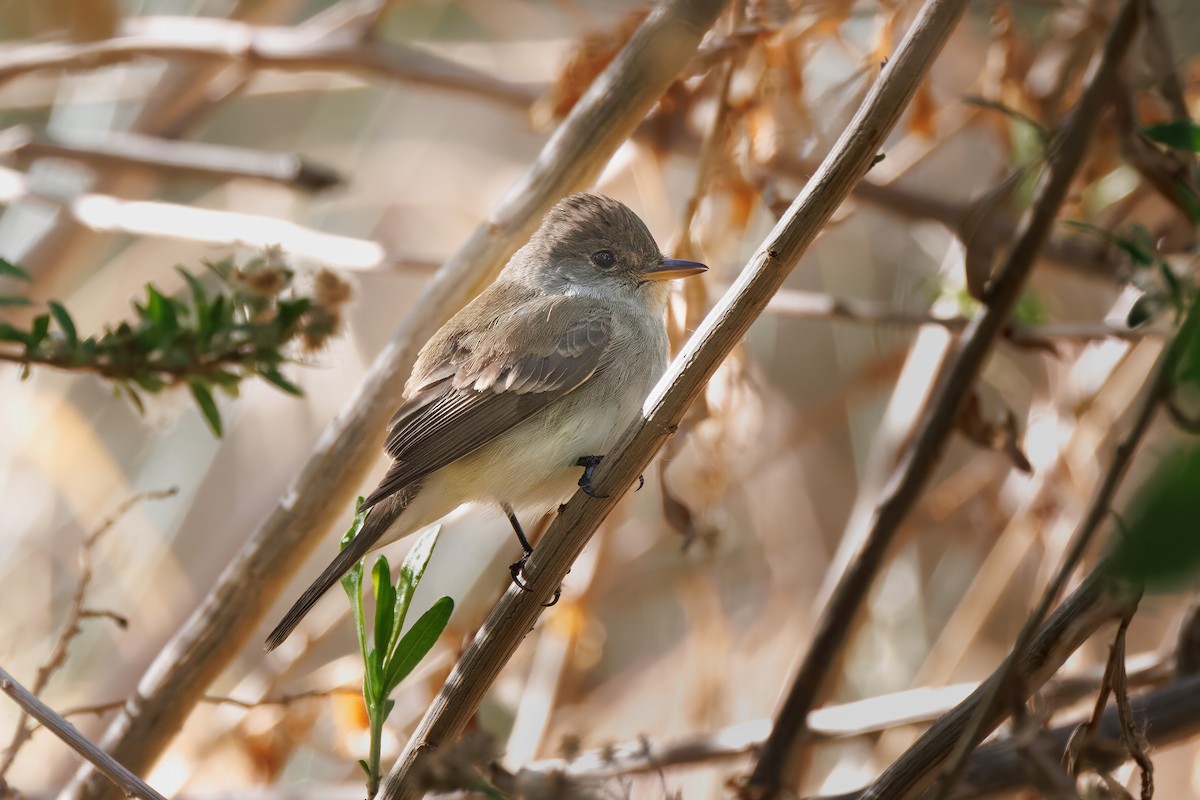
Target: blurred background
688	611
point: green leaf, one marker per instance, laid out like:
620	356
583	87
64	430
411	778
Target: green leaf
39	331
65	323
362	762
199	296
160	309
9	333
385	604
1179	134
1158	545
411	572
11	270
276	377
288	312
14	301
208	406
417	643
149	383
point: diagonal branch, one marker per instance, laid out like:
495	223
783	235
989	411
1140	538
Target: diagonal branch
325	488
721	330
130	784
778	766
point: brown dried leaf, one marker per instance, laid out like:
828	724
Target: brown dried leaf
1000	436
974	227
591	55
922	117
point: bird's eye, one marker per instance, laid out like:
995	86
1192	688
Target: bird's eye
604	259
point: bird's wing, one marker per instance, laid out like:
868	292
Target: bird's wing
485	384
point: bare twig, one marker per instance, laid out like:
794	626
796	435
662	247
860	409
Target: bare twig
130	784
1133	739
818	305
830	723
777	766
1081	254
76	611
325	488
1170	715
259	47
170	157
721	330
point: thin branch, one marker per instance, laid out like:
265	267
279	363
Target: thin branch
76	612
123	149
721	330
1169	715
831	723
130	784
1133	738
799	304
265	47
325	488
1084	255
777	766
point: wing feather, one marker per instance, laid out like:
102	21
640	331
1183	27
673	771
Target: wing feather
486	385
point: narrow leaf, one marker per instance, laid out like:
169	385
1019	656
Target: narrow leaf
1179	134
208	406
276	377
11	270
9	333
410	575
385	604
65	323
13	301
39	331
417	643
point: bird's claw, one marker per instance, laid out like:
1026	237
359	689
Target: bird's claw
589	464
517	569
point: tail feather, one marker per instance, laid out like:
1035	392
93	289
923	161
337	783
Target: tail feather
378	520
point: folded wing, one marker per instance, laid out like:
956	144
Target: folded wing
488	383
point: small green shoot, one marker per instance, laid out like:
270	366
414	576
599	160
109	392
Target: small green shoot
388	656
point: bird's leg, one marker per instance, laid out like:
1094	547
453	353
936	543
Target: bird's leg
518	567
589	464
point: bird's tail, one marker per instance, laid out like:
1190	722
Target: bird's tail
378	520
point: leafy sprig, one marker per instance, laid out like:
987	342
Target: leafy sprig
232	324
388	657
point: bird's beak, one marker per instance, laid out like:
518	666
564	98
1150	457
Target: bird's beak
670	268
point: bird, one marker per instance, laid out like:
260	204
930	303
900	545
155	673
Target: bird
535	378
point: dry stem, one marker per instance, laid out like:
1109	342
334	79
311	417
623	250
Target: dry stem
130	784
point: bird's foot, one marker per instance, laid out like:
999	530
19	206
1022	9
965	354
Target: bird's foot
517	571
589	464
